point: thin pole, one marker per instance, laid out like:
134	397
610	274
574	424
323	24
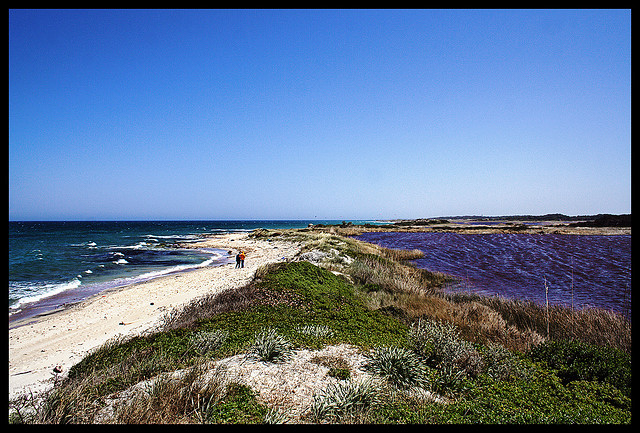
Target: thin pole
546	296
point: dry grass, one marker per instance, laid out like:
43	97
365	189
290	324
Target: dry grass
393	276
174	399
524	322
402	255
239	299
516	324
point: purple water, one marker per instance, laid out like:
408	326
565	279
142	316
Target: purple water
597	269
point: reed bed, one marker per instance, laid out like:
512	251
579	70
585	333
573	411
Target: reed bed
589	325
393	276
402	255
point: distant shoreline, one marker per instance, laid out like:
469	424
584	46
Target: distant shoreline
595	225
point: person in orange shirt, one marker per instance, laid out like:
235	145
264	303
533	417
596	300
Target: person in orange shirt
242	256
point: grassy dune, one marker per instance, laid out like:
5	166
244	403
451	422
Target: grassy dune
431	356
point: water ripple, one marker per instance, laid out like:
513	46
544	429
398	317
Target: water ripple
590	270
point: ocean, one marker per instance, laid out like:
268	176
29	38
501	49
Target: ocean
56	263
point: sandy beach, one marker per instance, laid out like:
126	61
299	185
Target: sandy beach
63	337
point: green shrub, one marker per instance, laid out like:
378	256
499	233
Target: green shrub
112	352
582	361
596	392
501	364
540	399
339	373
239	406
326	300
439	343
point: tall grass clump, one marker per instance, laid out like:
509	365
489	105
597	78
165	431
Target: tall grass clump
345	401
401	255
315	330
502	364
71	403
589	325
399	366
206	342
270	346
171	399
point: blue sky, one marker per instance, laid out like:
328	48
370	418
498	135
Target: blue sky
327	114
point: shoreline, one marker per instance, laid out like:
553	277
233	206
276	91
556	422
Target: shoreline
464	226
62	337
68	298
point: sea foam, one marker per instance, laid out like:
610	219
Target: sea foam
42	291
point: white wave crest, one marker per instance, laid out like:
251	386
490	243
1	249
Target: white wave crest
45	291
177	268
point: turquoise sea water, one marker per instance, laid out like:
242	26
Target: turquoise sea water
54	263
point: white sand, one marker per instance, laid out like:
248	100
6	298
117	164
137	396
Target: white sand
288	386
65	337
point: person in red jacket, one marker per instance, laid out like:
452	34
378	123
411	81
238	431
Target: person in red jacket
242	256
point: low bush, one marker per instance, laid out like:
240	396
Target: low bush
540	399
580	361
501	364
439	344
239	406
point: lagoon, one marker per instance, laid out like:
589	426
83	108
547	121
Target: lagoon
579	270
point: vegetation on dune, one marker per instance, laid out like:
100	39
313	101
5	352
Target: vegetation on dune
433	356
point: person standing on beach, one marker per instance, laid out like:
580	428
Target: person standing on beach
242	256
237	260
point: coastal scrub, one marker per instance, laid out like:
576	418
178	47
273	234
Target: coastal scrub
420	340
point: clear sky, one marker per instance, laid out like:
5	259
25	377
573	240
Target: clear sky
327	114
